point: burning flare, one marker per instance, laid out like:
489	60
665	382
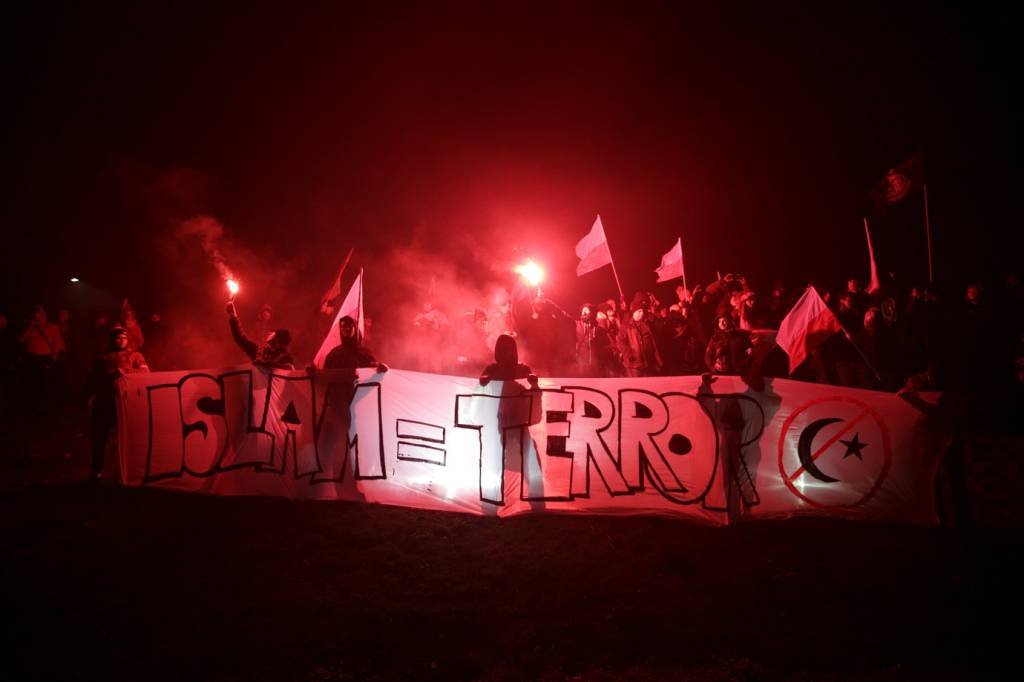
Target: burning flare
532	273
232	287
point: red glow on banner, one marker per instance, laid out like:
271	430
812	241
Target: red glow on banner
531	272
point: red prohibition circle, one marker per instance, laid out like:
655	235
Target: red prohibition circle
886	450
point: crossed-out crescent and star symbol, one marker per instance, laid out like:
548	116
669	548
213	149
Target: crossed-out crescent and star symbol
846	468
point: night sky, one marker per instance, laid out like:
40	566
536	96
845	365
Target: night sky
487	134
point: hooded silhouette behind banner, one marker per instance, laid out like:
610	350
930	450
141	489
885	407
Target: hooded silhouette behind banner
506	365
351	353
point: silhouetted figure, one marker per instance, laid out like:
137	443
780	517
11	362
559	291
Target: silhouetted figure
729	349
680	350
638	346
273	352
594	355
506	365
101	391
351	353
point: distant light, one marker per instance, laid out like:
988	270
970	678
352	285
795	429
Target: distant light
75	280
531	272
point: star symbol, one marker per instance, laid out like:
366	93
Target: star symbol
853	447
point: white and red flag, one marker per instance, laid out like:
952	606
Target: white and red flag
351	306
672	263
593	250
806	327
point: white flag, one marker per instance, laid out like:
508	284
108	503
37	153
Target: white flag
592	250
671	263
353	307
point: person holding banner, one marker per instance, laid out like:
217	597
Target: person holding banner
100	389
729	349
506	365
351	353
272	353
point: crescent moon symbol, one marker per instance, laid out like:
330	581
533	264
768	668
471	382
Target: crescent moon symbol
803	449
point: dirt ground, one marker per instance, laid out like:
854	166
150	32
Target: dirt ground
136	584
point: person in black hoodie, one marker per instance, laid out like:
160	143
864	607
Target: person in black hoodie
506	365
351	353
273	352
729	349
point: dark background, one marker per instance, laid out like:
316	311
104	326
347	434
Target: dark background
484	134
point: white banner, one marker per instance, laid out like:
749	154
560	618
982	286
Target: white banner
715	453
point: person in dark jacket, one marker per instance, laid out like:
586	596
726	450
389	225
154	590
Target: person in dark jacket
594	356
351	353
101	391
273	352
729	349
679	348
638	345
506	365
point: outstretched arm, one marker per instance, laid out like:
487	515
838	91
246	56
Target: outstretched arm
244	342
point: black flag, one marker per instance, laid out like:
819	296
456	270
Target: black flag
898	183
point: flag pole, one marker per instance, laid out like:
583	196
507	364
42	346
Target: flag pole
362	318
622	296
862	356
685	288
875	284
344	265
928	233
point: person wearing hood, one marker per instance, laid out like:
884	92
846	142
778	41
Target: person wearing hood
351	353
729	349
506	365
101	391
593	345
637	343
273	352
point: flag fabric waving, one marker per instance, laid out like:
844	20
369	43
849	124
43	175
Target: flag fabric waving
899	182
805	327
671	263
351	306
593	250
334	291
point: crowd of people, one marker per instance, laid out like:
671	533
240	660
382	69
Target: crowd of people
971	341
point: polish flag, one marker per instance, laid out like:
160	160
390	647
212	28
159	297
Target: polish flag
806	327
593	250
351	306
671	263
